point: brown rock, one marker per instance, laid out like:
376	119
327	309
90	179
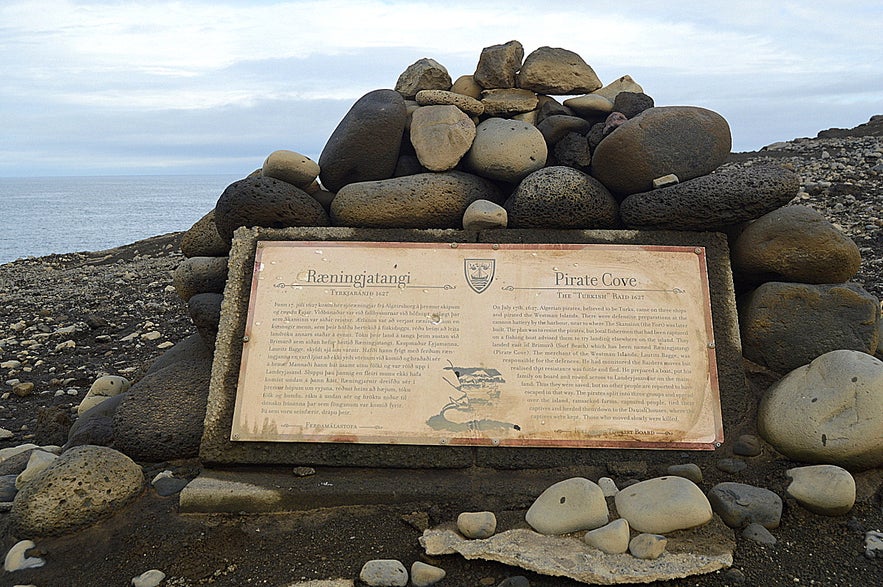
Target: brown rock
441	135
506	150
498	65
506	102
203	240
469	105
423	74
555	71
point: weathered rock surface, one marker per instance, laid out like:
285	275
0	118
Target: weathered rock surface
469	105
162	416
483	214
202	239
561	197
477	524
508	101
786	325
103	388
441	135
612	538
384	573
704	550
685	140
712	202
424	575
829	411
568	506
591	106
663	504
621	84
632	103
648	546
828	490
739	504
498	65
288	166
205	312
84	485
264	201
423	74
555	71
425	200
795	243
506	150
555	127
365	145
95	425
200	275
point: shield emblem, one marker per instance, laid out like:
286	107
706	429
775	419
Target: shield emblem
479	273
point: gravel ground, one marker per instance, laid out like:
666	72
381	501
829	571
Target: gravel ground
68	319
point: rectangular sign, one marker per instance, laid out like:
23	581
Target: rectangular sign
479	344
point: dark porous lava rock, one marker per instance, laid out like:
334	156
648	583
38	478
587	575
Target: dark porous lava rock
365	145
712	202
561	197
267	202
685	140
205	311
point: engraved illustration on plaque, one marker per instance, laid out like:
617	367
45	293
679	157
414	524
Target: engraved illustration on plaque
479	273
477	394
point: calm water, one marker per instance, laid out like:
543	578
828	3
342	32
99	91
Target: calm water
44	215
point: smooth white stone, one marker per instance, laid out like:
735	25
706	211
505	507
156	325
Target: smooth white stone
568	506
828	490
611	539
16	559
423	575
663	504
150	578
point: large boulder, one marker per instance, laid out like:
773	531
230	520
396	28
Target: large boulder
424	200
294	168
712	202
202	239
506	150
267	202
786	325
205	312
162	416
561	197
498	65
441	135
687	141
365	145
200	275
82	486
555	71
795	243
423	74
829	411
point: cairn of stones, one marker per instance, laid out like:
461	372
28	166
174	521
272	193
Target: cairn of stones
497	149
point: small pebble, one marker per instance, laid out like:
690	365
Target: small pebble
648	546
731	465
689	471
477	524
758	534
384	573
16	560
608	486
423	575
150	578
874	544
516	581
747	445
303	471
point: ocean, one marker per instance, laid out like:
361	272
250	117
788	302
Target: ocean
45	215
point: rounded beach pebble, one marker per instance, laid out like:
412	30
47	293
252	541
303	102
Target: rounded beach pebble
663	504
568	506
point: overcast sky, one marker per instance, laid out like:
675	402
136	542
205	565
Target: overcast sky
141	86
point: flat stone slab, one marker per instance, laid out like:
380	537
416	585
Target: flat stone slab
695	552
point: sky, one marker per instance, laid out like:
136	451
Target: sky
201	87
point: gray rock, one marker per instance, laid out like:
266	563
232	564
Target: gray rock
441	135
554	128
191	348
787	325
759	534
555	71
561	197
84	485
423	74
739	504
384	573
95	425
632	103
506	150
288	166
874	544
483	214
663	504
689	471
200	275
711	202
365	145
508	101
648	546
469	105
477	524
425	200
829	411
516	581
205	311
162	416
498	64
573	151
747	445
423	575
828	490
795	243
568	506
268	202
685	140
732	466
7	488
612	538
202	239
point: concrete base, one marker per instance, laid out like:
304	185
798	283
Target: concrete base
266	489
